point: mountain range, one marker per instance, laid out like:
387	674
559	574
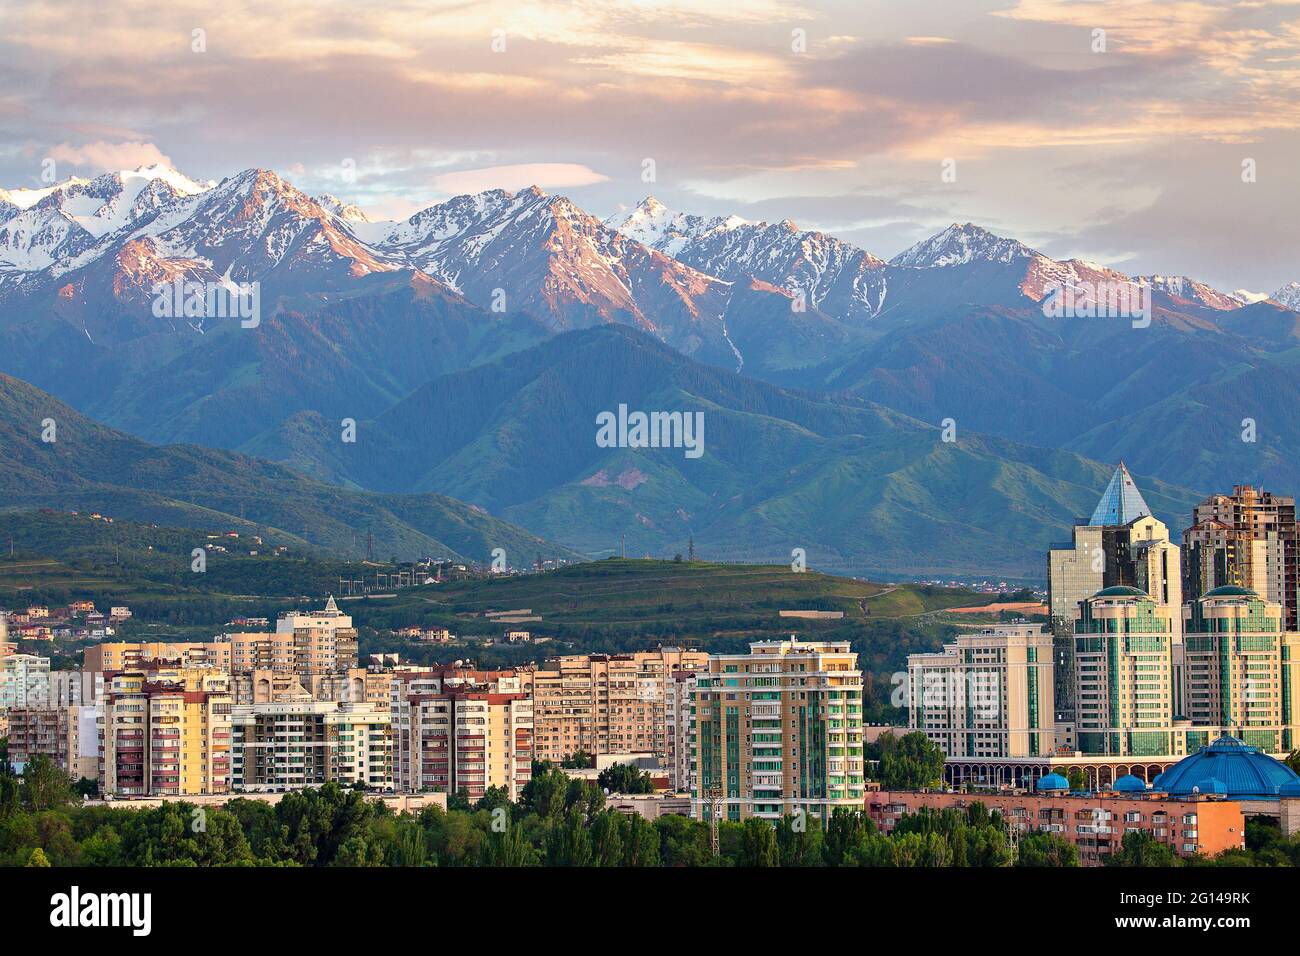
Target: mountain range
449	338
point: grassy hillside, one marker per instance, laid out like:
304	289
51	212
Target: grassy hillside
696	600
59	557
624	605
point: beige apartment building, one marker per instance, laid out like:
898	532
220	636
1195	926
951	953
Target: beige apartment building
165	733
1248	539
122	656
990	694
460	730
778	730
315	646
355	685
291	744
607	703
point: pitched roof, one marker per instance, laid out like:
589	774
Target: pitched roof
1121	502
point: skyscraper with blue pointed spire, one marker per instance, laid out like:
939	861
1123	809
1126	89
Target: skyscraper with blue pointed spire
1122	544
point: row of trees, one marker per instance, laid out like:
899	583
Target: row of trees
557	821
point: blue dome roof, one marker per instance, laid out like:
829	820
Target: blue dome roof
1121	590
1231	590
1053	781
1130	784
1230	768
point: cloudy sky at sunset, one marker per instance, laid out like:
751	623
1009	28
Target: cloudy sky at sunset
1132	156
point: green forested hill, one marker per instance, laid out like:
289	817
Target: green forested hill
862	489
90	467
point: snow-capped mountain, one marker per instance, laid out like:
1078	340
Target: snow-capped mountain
655	225
542	254
348	212
1190	290
54	227
133	229
833	276
721	288
1288	295
962	244
256	226
8	208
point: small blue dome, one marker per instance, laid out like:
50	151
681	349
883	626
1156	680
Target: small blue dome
1230	768
1053	781
1130	784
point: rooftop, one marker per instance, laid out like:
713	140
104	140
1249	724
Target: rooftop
1121	502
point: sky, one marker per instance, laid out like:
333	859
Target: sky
1150	136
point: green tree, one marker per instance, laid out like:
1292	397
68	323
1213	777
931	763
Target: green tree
1046	849
683	841
913	763
641	843
506	847
799	840
546	793
758	844
847	835
1142	849
608	836
625	778
567	842
38	858
45	786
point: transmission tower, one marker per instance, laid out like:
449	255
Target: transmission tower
715	813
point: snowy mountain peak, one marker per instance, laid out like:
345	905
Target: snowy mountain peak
348	212
1191	290
960	244
824	270
1289	296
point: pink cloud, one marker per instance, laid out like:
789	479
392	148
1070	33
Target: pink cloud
109	156
546	175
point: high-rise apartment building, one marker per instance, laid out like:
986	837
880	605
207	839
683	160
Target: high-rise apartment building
1240	670
24	681
1248	539
778	730
1122	544
120	656
680	712
607	703
1124	674
288	745
457	730
165	733
987	695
